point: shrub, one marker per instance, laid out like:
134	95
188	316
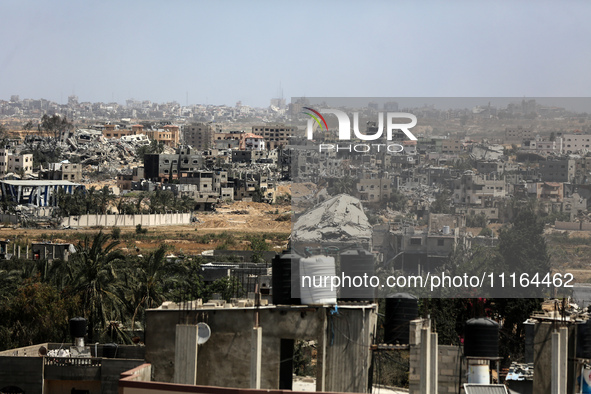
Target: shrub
140	230
116	233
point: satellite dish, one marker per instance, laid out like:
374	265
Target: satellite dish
203	333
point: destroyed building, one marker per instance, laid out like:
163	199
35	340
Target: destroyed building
338	222
62	171
39	193
169	166
11	161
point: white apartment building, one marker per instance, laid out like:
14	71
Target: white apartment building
11	162
575	143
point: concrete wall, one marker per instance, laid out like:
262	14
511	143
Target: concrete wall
543	357
27	351
449	364
225	359
7	218
66	386
111	371
135	387
584	226
23	372
123	351
166	219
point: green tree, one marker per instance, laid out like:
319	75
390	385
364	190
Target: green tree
476	220
155	147
3	131
151	275
95	281
36	313
104	199
442	203
228	288
397	201
258	245
55	125
344	185
28	126
257	195
522	246
513	312
116	233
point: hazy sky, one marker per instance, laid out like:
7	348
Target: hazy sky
224	51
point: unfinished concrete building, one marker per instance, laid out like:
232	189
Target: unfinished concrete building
472	189
275	135
342	340
200	136
62	171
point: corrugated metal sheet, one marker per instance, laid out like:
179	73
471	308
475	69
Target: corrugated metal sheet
349	334
472	388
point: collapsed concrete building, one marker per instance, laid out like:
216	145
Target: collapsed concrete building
338	222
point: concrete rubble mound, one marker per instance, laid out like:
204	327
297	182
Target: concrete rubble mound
339	219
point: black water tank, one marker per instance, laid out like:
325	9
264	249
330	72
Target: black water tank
481	338
356	264
77	327
286	276
584	340
110	350
530	333
401	308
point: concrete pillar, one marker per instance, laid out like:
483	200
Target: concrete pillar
256	348
434	363
185	354
559	360
556	363
425	366
563	358
321	354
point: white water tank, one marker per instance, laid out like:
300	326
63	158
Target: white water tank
446	230
479	374
315	280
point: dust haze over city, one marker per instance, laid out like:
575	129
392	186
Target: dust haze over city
226	194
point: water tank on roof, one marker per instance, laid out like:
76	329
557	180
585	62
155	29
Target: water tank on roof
77	327
481	338
314	290
286	289
584	339
354	265
401	308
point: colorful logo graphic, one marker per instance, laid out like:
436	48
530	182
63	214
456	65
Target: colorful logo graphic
389	125
315	115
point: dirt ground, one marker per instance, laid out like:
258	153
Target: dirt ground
231	224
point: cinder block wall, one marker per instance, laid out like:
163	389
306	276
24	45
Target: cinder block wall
449	363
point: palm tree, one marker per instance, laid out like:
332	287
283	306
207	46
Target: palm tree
94	278
152	275
104	199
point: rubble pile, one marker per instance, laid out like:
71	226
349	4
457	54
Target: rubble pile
339	219
90	148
